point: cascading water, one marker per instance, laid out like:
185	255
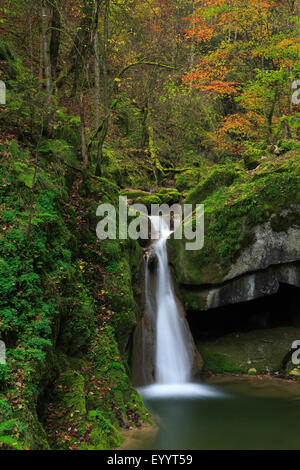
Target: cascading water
173	362
173	340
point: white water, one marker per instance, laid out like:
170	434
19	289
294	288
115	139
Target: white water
173	364
187	390
173	361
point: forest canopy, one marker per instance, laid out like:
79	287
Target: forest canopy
168	81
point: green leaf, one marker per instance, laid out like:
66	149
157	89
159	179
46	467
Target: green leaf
25	174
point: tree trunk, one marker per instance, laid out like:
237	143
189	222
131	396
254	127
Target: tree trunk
84	39
105	91
46	55
55	40
145	136
82	129
97	79
271	113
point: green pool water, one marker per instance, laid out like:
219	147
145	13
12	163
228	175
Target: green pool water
229	415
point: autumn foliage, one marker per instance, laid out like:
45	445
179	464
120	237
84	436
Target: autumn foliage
248	53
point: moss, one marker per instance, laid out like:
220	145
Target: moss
54	307
164	196
169	196
103	435
134	194
115	393
263	350
218	177
88	408
119	296
70	420
251	161
69	393
193	300
20	428
147	201
187	179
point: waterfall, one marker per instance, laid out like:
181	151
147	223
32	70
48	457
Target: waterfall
174	345
172	361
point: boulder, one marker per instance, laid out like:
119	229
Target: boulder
261	350
252	237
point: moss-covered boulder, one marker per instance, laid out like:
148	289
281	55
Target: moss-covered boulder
163	196
216	178
250	224
262	350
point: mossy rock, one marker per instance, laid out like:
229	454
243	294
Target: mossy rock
282	222
218	177
169	196
262	350
20	429
73	421
231	215
88	407
134	194
164	196
103	434
119	295
187	179
147	201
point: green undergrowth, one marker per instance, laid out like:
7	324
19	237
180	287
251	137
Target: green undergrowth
92	400
59	300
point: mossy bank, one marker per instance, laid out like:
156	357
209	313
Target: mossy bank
68	306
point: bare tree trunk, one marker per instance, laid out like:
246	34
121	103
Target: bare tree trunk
145	136
41	65
55	40
82	129
97	79
47	68
271	113
106	90
46	54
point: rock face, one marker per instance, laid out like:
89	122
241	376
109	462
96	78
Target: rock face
273	259
252	239
248	287
269	248
260	269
